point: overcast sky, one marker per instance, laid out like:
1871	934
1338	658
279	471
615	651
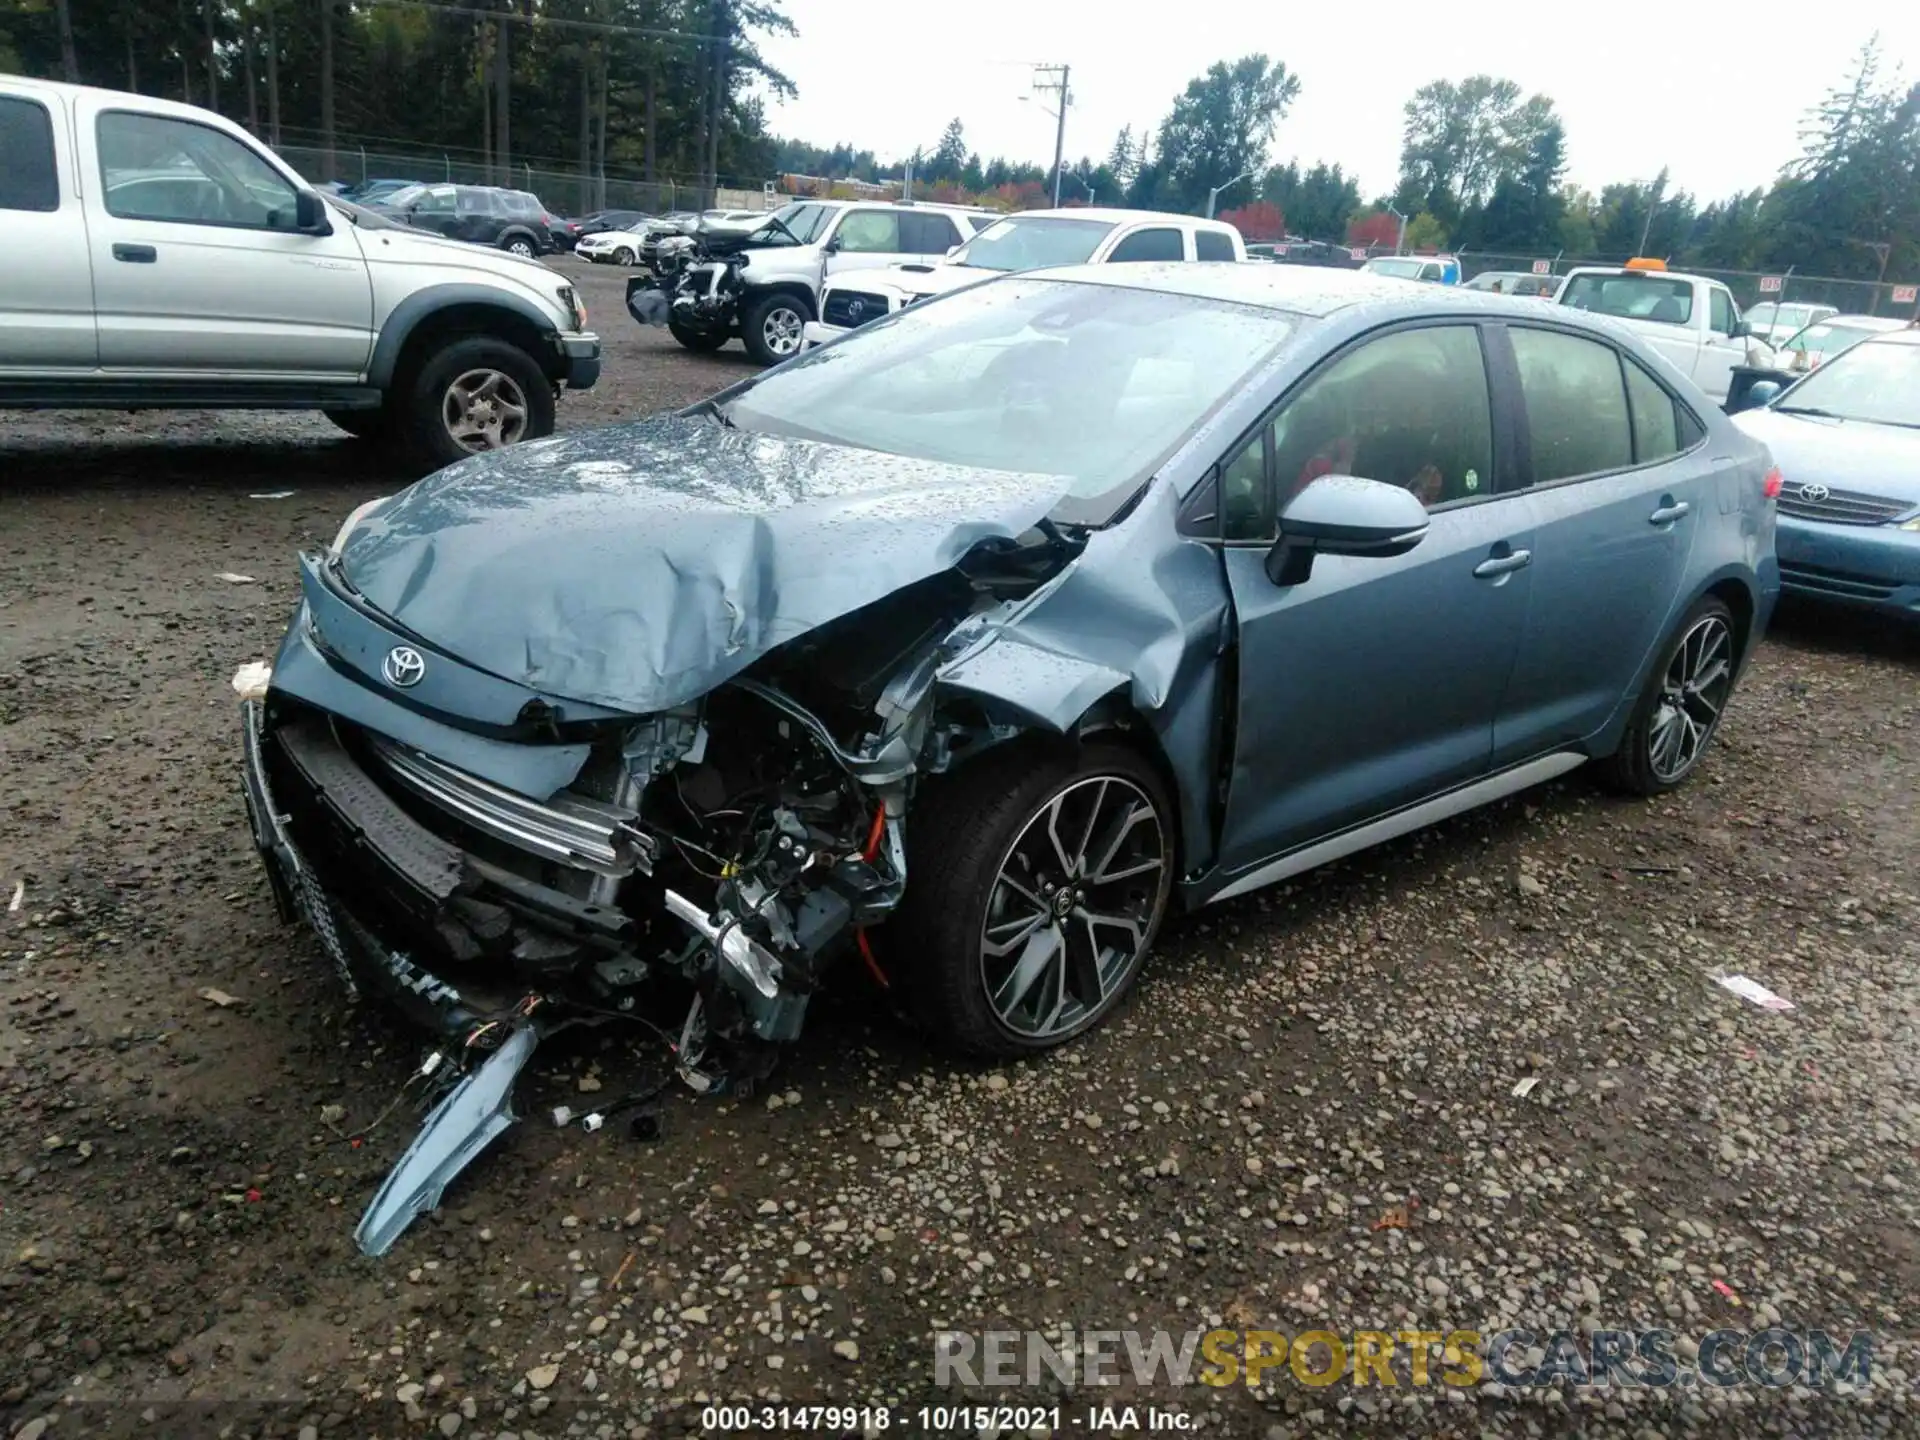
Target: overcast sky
1716	92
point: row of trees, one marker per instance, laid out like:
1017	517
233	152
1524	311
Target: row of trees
664	89
660	88
1483	168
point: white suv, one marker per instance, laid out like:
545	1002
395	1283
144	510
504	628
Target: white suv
1027	240
795	252
157	256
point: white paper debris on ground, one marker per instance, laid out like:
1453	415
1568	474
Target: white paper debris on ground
273	495
1753	990
19	897
220	998
234	579
251	679
1525	1087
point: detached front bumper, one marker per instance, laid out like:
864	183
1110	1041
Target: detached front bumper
580	355
818	332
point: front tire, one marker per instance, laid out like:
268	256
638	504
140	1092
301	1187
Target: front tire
623	257
771	328
474	395
1681	707
1036	883
701	342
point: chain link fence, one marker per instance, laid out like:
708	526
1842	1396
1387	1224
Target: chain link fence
563	192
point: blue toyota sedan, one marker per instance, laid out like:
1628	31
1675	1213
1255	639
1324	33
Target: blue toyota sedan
1847	439
952	655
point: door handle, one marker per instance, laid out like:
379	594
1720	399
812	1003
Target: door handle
1669	512
136	254
1496	565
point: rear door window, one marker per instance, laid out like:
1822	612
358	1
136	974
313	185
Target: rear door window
1576	402
1158	243
1211	245
29	179
927	234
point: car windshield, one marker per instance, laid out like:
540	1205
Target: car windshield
1400	269
1632	297
1822	338
1094	383
404	196
1778	317
1878	381
1033	243
802	223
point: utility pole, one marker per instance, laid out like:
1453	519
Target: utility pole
1058	85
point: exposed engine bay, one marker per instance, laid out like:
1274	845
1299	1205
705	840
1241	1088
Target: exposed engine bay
694	283
705	873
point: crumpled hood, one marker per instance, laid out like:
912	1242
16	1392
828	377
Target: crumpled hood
640	565
1845	454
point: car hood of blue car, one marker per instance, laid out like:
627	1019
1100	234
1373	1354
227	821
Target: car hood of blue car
640	565
1856	455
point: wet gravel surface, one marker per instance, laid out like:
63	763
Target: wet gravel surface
1307	1119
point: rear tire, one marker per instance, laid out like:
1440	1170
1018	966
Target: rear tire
489	392
699	341
519	245
771	327
1680	709
999	954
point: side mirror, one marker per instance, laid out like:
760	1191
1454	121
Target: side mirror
832	247
1344	515
309	215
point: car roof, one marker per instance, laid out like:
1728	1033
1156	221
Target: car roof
1907	334
1115	216
1861	322
1315	290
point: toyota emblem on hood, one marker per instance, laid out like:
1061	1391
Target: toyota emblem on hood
404	667
1815	493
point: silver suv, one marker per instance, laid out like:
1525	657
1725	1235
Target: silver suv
159	257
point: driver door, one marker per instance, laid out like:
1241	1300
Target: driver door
1373	684
197	270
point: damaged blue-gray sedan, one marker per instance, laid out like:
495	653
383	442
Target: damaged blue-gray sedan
958	652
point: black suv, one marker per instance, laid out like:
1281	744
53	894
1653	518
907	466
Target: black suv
482	214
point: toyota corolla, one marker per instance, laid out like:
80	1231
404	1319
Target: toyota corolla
955	654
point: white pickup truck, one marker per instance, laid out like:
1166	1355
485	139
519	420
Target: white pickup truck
157	256
1688	318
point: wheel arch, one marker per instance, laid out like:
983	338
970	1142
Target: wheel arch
445	312
1110	718
793	289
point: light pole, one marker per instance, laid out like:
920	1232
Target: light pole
1400	241
1215	193
1060	117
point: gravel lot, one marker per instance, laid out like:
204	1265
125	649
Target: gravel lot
177	1192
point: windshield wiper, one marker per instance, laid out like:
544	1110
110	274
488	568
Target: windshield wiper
1813	410
712	409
